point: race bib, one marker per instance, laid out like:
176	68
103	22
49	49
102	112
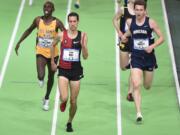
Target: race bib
70	55
141	44
45	42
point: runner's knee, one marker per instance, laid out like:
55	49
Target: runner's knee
136	84
73	101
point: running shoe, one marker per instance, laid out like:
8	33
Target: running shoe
69	127
45	104
63	106
130	97
139	117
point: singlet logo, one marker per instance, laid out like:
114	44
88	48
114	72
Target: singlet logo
65	41
140	32
76	42
145	26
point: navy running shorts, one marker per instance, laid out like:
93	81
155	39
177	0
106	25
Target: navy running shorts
145	63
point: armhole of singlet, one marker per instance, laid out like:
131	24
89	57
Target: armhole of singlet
79	34
39	23
64	35
132	22
125	11
40	19
147	19
82	34
61	40
55	21
149	23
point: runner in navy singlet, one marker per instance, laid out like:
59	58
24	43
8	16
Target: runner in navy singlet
143	60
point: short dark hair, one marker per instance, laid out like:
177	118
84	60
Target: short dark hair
140	2
73	14
50	3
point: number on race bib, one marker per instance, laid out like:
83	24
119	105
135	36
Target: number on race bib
45	42
141	44
71	55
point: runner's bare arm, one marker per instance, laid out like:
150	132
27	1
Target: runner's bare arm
127	34
84	45
60	25
116	22
27	33
54	43
158	32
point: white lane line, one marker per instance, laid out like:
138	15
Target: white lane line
118	91
170	44
9	50
55	113
56	105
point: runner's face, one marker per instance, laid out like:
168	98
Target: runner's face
140	12
48	9
73	23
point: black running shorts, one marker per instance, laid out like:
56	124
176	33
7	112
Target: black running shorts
71	74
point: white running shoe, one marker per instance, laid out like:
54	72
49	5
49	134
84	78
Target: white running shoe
139	117
41	83
45	104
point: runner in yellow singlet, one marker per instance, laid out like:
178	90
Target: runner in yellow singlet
47	26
